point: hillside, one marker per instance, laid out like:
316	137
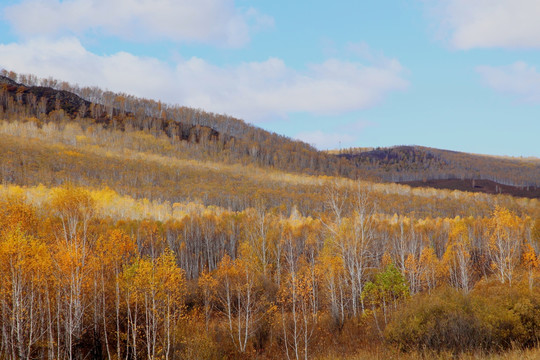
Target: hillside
132	229
219	137
225	139
422	166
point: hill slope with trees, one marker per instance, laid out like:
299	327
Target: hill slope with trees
226	139
122	238
423	166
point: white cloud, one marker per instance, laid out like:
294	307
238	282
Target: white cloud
364	51
519	79
254	91
488	23
209	21
270	87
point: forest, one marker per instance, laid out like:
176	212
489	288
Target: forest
134	230
232	140
412	163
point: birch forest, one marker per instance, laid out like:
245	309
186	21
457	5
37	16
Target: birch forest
130	229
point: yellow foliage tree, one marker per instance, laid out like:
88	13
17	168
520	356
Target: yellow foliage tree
505	239
530	262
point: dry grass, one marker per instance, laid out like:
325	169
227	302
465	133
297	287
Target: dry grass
392	354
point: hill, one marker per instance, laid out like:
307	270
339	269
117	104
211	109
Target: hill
226	139
132	229
423	166
144	149
219	137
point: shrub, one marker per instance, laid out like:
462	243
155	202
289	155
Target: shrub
490	318
442	321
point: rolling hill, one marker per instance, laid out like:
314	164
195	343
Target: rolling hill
226	139
133	229
422	166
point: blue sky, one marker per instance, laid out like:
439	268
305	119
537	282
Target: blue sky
452	74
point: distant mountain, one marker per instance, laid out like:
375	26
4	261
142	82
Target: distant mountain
430	167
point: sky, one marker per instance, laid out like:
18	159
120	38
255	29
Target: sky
452	74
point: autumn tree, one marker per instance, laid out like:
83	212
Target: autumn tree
262	239
25	264
114	251
332	271
299	312
155	291
429	269
353	238
457	262
240	296
505	241
531	263
74	208
207	286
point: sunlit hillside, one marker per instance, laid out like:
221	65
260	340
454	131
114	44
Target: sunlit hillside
133	229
